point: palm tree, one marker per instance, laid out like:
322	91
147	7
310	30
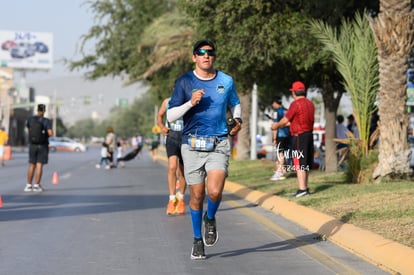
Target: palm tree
169	37
393	30
355	55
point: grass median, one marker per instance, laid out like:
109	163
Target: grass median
385	208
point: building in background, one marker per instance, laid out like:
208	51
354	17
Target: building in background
16	104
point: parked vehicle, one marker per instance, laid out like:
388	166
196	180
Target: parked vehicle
65	144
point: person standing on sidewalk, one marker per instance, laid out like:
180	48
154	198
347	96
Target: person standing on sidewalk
173	131
281	140
202	97
301	116
4	137
40	129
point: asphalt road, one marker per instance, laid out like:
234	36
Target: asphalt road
113	222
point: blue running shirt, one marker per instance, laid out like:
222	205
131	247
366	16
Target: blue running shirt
208	118
278	114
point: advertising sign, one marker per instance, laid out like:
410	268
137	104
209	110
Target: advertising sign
26	50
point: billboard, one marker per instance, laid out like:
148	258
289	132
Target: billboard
26	50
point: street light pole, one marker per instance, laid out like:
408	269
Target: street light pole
54	113
253	125
155	114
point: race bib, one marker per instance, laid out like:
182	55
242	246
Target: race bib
177	125
204	144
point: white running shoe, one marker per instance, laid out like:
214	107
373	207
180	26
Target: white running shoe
28	188
277	176
37	188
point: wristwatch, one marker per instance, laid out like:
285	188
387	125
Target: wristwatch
239	120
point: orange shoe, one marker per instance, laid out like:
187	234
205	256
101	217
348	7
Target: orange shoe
180	207
171	207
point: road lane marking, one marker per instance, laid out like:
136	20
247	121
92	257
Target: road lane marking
305	247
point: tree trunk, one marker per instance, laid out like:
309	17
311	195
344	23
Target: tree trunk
243	137
331	103
393	31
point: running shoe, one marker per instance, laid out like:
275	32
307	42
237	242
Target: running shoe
300	193
277	176
37	188
197	252
210	235
98	166
171	207
28	188
180	206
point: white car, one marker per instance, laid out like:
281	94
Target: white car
22	50
65	144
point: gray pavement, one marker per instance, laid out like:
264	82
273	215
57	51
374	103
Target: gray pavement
113	222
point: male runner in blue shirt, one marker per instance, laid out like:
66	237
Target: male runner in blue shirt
202	97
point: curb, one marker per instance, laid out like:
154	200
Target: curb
384	253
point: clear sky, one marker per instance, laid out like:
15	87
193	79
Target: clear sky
68	20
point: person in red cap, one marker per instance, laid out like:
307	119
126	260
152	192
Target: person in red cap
300	116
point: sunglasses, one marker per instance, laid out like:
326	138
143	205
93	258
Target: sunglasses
201	52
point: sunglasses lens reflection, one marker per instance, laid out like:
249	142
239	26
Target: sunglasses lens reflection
201	52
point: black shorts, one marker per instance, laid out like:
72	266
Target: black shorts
154	145
302	151
173	144
283	143
38	153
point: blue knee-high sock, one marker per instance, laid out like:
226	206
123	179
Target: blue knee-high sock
212	208
196	217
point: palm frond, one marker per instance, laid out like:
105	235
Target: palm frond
354	51
169	39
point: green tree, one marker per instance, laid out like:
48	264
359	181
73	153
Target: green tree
61	129
265	42
169	39
115	36
353	49
259	41
82	128
136	118
139	117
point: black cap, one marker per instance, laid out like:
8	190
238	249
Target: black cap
41	107
277	99
202	43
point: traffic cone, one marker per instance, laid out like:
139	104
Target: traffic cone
8	155
1	202
55	178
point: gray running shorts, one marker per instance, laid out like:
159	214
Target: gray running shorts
197	164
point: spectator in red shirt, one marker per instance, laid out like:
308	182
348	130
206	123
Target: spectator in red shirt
300	116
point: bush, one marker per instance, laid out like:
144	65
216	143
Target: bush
360	167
